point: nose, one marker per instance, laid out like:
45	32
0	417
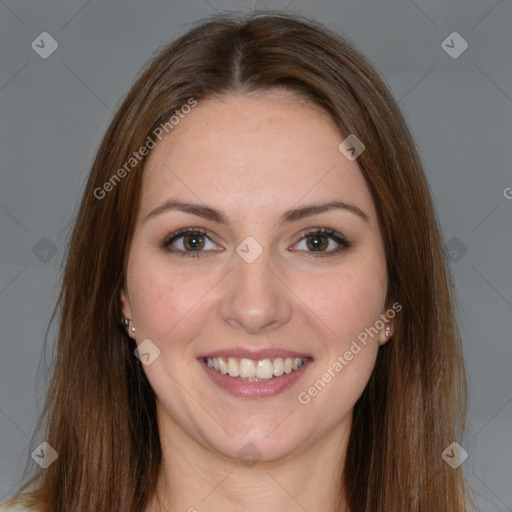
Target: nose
256	298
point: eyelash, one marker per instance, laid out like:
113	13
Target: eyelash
338	238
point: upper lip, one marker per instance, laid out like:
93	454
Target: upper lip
256	355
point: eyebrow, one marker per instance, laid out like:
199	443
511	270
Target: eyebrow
293	215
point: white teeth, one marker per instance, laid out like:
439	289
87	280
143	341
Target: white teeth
250	370
233	368
223	366
247	368
278	367
264	369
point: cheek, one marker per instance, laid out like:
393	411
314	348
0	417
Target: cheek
345	302
161	299
348	304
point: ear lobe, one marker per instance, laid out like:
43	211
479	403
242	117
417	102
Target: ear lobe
387	332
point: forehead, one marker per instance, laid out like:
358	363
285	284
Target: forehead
266	152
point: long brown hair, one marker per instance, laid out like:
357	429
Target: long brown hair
100	410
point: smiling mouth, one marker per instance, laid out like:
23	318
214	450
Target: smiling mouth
250	370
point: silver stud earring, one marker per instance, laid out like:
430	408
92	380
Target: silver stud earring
388	331
126	323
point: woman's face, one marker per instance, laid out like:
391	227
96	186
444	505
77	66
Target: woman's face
247	286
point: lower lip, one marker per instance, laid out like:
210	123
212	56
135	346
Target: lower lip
264	389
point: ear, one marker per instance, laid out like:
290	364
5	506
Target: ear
389	326
126	309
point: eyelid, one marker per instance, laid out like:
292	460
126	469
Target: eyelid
332	234
168	240
324	231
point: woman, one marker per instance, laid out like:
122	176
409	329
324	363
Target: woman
256	310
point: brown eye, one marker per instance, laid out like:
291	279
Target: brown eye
319	240
188	242
193	242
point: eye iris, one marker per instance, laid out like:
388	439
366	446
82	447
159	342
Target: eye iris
195	241
316	244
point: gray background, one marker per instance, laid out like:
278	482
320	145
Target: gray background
54	112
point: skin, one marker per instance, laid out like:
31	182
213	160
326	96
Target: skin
253	157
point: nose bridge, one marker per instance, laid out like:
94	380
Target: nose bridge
254	277
255	299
